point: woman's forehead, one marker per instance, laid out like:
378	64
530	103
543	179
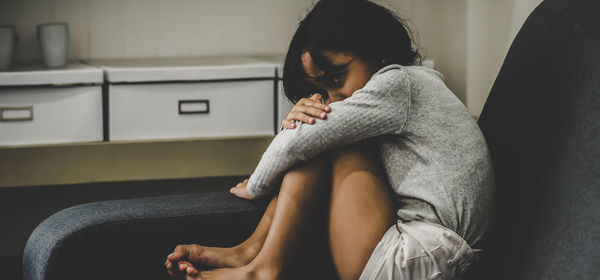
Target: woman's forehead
335	58
310	67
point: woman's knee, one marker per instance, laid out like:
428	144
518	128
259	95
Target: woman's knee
356	156
318	168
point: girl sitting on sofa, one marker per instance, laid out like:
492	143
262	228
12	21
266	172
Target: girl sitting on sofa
378	157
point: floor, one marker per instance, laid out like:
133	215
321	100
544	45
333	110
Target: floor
23	208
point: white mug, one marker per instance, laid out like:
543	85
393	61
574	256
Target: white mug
8	40
54	43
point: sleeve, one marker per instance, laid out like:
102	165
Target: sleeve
379	108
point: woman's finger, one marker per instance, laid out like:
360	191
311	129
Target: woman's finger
313	104
315	101
323	107
312	111
286	124
300	116
316	97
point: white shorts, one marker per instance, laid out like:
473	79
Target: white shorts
419	250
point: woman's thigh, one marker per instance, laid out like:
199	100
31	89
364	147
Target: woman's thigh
361	208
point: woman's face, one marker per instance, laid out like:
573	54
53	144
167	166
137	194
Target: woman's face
351	74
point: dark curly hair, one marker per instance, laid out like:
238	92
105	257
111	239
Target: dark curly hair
370	31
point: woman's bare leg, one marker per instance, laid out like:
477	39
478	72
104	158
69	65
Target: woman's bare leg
361	208
361	211
239	255
303	194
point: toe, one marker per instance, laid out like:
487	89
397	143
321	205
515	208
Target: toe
192	271
181	251
183	267
173	274
193	277
173	256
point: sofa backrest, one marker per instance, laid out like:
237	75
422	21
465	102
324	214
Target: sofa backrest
542	124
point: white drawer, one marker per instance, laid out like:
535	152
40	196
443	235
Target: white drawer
190	110
47	115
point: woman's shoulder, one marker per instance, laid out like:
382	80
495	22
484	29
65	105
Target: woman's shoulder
398	77
389	77
424	72
399	74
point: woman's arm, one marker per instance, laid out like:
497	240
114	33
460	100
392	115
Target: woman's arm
380	108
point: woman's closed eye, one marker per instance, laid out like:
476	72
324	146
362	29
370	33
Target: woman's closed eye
336	80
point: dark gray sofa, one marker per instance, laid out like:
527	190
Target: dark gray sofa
129	239
542	124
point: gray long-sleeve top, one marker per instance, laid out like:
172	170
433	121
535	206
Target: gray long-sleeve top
434	155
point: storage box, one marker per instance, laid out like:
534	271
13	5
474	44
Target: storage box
39	106
189	98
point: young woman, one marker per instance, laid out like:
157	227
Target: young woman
384	151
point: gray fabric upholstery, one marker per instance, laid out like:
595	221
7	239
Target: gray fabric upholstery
542	125
111	238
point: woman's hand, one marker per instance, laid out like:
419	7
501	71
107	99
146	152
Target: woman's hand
240	190
305	110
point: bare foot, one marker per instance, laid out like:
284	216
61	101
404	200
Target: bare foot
239	273
201	256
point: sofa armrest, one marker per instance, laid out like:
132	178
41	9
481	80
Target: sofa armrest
130	239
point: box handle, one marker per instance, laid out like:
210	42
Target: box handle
188	107
11	114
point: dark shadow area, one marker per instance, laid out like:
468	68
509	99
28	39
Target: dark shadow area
23	208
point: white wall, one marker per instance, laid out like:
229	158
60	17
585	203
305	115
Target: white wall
157	28
488	39
468	39
441	32
492	26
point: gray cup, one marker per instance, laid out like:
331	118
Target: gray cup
8	40
54	43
